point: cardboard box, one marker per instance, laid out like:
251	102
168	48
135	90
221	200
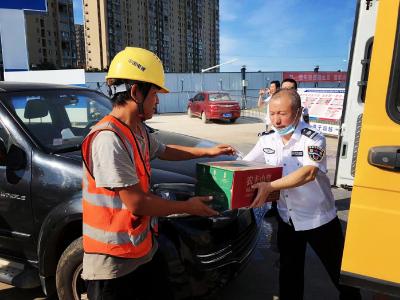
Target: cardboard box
229	182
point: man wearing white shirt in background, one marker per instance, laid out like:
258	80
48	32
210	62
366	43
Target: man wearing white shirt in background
306	207
264	95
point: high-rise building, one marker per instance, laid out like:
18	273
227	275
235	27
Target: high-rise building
183	33
80	46
51	36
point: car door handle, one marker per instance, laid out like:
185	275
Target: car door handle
386	157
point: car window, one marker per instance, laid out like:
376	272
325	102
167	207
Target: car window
219	97
31	109
393	95
58	119
365	70
197	97
84	110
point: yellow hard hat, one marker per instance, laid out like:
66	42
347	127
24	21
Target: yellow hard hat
138	64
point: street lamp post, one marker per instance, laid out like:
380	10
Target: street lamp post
316	69
213	67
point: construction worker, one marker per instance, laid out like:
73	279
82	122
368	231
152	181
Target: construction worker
119	212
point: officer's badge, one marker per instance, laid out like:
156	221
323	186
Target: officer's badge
297	153
316	153
269	151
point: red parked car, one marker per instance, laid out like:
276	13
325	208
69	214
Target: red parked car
213	106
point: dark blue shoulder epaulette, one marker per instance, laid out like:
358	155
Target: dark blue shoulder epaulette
266	132
309	133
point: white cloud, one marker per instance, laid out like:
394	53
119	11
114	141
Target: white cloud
272	13
228	16
227	11
229	45
272	23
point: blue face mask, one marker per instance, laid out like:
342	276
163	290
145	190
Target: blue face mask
288	129
284	131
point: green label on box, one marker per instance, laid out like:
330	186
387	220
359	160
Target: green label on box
215	182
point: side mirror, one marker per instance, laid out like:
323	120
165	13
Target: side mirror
3	153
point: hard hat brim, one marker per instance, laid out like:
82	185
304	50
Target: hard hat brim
162	89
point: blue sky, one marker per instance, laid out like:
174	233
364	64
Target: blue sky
276	35
78	12
282	35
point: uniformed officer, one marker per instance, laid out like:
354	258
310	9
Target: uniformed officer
306	207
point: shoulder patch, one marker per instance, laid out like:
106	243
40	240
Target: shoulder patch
309	133
266	132
316	153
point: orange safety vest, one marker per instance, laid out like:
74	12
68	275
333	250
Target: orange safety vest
108	226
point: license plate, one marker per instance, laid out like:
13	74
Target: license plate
227	115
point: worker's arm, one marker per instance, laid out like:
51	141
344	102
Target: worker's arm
177	152
148	204
297	178
261	102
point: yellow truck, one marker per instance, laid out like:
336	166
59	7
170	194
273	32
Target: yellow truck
369	150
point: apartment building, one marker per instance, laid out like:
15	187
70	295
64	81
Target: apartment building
183	33
51	36
80	46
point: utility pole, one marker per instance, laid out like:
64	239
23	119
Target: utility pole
244	86
213	67
316	70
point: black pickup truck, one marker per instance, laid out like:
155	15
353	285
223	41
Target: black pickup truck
41	129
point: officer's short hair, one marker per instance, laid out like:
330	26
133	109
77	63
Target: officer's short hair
291	80
293	95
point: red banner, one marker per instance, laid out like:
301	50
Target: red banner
316	76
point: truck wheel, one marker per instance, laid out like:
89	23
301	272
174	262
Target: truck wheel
70	285
204	118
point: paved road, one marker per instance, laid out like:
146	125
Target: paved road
259	279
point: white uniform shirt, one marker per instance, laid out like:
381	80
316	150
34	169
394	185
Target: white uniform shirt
312	204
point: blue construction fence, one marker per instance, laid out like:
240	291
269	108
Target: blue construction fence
184	86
